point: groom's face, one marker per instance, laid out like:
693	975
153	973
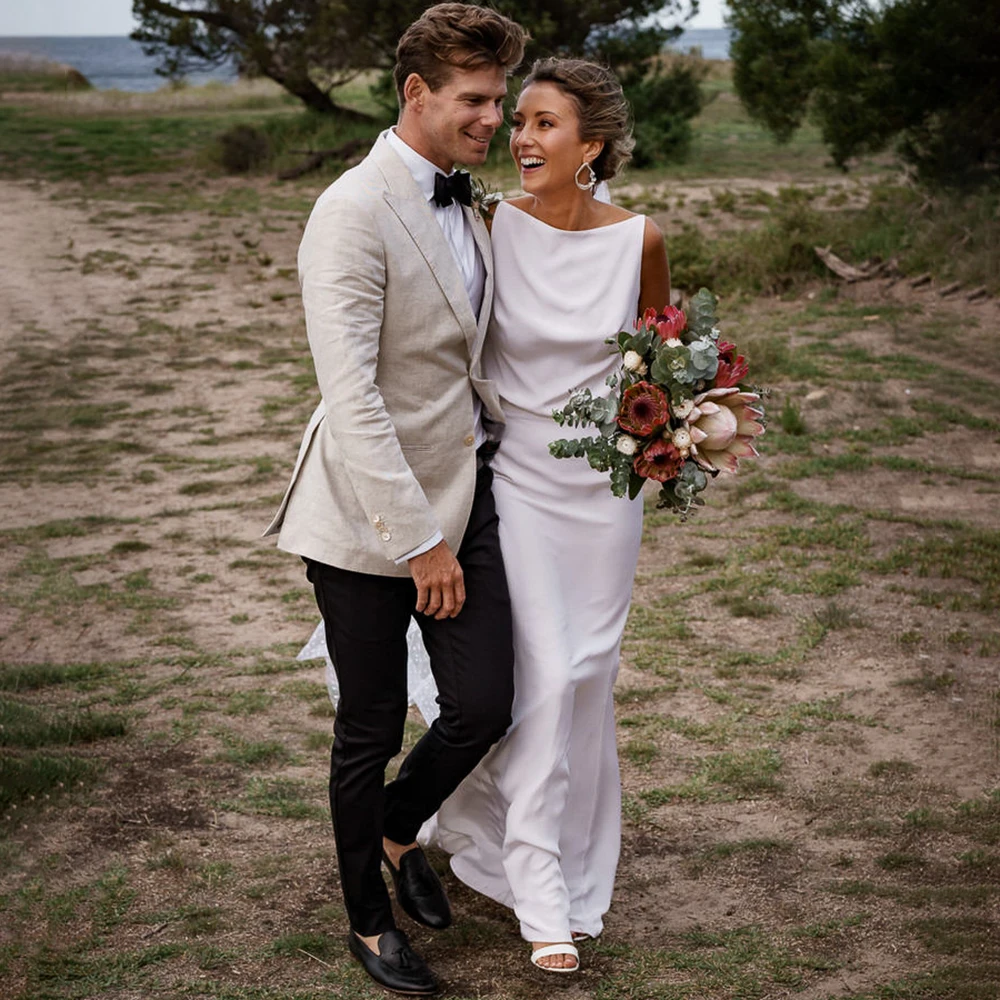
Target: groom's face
457	121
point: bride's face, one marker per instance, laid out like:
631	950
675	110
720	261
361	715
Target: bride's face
545	139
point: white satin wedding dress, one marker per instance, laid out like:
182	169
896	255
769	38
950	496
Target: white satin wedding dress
537	825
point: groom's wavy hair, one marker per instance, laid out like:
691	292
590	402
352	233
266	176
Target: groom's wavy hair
600	104
450	36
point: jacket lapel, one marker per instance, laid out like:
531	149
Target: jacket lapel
485	248
408	203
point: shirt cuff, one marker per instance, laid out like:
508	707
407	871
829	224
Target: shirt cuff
421	549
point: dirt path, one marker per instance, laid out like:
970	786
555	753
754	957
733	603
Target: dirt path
40	295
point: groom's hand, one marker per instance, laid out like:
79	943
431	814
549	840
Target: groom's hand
440	582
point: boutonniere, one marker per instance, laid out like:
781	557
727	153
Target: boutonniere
484	198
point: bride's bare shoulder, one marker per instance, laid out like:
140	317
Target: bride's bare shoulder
615	213
521	201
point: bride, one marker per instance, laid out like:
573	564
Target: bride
537	825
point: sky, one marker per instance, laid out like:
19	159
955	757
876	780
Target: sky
114	17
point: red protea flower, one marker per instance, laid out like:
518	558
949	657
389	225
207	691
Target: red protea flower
660	461
668	324
733	367
644	408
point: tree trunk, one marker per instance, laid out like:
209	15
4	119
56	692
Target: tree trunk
312	97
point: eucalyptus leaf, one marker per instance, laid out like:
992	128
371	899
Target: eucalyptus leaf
639	342
704	359
635	484
701	314
660	371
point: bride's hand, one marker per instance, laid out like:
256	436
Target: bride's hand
440	582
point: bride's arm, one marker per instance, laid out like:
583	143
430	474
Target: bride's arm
654	283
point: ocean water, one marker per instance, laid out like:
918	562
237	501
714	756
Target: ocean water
119	63
713	42
115	63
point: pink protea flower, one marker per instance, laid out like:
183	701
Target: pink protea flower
733	367
659	460
644	408
668	324
723	425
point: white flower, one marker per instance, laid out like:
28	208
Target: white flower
627	445
634	363
674	342
682	410
681	438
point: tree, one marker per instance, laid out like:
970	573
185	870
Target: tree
312	46
921	74
309	47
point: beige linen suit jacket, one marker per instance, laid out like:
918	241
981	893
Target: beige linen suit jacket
388	457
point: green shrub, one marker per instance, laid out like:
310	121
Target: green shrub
663	104
955	237
243	148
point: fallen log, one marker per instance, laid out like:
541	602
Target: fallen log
950	289
839	267
982	292
919	282
885	267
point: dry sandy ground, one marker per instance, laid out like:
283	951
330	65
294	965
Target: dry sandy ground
179	335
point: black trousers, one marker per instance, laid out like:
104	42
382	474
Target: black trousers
366	618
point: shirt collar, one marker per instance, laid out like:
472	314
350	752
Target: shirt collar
422	169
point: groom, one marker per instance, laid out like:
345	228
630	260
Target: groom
390	503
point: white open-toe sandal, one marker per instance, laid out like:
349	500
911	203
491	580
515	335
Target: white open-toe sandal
563	948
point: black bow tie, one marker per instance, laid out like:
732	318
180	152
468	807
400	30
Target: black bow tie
457	187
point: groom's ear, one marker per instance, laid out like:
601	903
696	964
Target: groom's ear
414	90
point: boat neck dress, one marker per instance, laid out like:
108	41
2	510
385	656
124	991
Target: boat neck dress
537	826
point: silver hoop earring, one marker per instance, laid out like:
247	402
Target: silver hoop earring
589	186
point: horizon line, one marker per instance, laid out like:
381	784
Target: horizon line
102	34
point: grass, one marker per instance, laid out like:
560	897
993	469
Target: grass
23	725
724	777
283	797
33	676
34	779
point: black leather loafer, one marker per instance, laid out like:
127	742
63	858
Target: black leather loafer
419	891
397	966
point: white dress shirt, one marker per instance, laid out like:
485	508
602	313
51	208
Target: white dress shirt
458	232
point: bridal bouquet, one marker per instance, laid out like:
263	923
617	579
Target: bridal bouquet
676	412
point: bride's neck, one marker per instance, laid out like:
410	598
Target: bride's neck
571	210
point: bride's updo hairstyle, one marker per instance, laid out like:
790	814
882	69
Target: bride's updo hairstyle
600	104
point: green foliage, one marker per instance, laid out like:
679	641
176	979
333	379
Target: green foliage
307	46
954	236
773	62
243	148
663	104
791	418
919	73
